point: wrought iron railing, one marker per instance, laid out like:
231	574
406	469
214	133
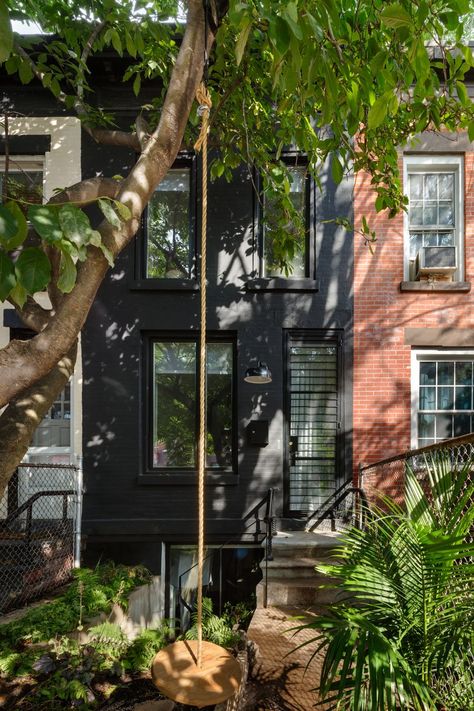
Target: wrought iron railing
347	506
257	528
38	526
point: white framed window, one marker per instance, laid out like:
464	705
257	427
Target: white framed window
434	186
442	395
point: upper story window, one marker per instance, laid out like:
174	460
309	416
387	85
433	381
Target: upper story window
443	396
169	226
24	180
290	242
175	403
434	223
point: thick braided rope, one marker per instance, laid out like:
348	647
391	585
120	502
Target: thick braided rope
205	104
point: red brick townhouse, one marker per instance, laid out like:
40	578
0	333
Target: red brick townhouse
414	306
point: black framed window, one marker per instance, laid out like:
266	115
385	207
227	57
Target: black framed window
169	226
173	411
293	241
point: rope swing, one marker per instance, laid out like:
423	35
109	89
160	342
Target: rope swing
199	673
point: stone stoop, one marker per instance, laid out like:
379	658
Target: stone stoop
291	578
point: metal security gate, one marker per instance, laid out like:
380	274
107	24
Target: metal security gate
313	415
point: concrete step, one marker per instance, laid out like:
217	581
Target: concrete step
317	546
299	591
286	567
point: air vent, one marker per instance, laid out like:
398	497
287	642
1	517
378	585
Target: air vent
435	261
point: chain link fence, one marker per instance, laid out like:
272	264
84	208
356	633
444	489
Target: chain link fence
39	531
388	475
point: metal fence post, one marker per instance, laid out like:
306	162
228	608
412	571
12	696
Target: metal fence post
78	512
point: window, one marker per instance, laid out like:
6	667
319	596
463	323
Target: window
434	188
24	181
175	389
273	237
55	428
443	394
169	226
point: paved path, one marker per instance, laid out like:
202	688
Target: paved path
282	679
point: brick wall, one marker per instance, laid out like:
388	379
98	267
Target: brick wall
382	417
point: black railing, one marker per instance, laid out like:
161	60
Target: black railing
354	514
262	517
28	507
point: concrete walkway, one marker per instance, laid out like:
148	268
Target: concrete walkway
281	677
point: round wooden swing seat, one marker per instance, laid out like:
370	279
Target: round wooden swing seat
177	675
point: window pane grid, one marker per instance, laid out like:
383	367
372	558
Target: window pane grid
446	400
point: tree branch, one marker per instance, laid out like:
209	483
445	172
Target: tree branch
22	363
100	135
32	314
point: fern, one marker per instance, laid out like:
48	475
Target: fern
214	628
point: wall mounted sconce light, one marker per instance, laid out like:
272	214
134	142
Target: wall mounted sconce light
258	375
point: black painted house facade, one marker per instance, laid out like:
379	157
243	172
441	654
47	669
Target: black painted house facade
139	384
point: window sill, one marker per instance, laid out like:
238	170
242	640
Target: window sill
165	285
181	478
282	284
456	286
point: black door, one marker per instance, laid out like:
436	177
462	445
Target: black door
313	420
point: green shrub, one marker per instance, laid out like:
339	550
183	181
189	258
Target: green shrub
214	628
142	650
92	592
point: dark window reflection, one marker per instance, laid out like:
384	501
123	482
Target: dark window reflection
175	405
170	244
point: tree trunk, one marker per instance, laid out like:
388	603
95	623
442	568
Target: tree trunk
20	419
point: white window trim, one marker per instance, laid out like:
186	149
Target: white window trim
437	163
417	356
61	166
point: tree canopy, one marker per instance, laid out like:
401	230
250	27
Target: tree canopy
346	79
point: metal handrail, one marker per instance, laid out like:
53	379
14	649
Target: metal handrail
28	507
327	509
268	518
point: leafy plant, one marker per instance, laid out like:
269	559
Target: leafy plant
142	650
214	628
403	641
92	592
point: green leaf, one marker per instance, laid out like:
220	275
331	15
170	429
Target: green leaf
377	112
137	82
336	169
67	273
19	295
7	275
280	33
107	254
116	42
109	212
25	72
45	220
6	34
95	238
123	210
22	226
242	40
8	224
33	270
75	224
395	16
470	130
